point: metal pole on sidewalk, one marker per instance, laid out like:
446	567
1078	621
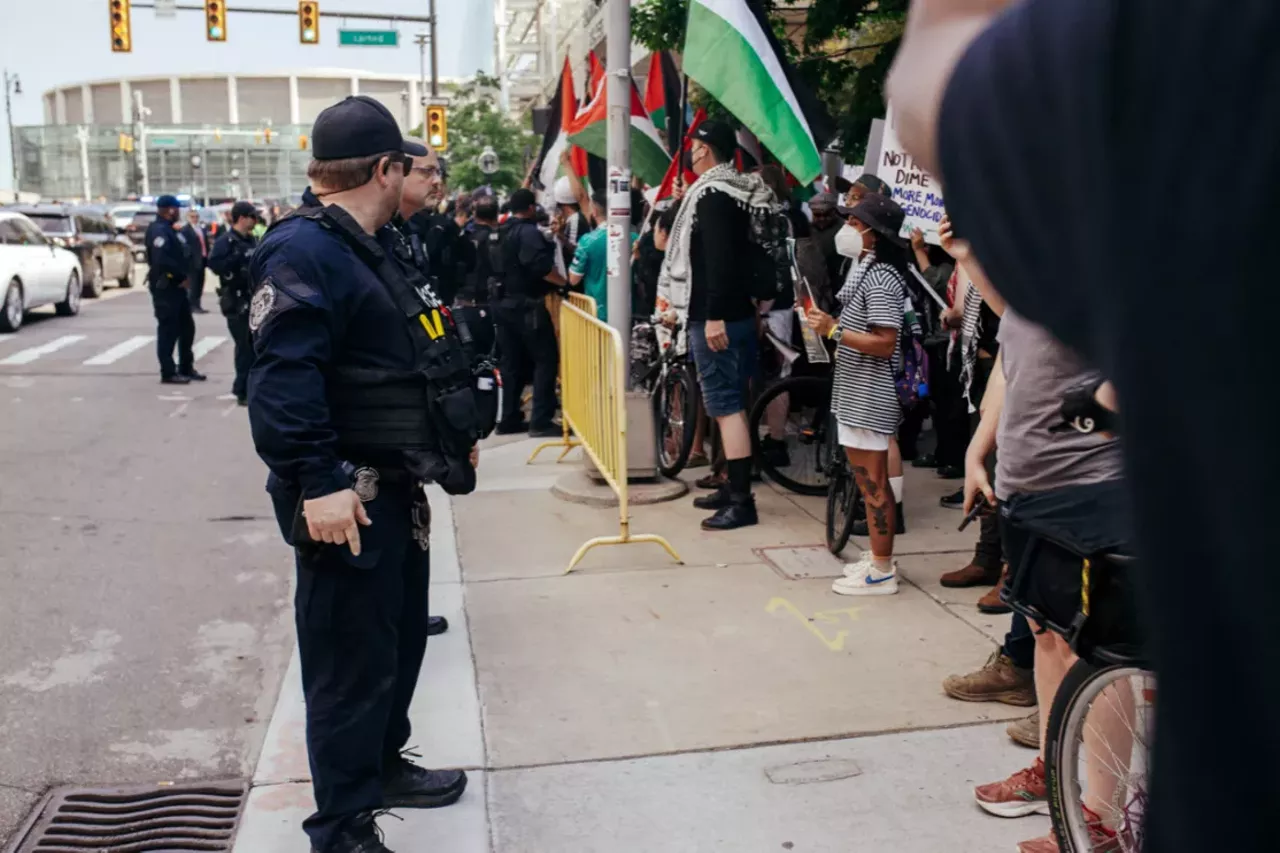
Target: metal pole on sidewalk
618	32
435	50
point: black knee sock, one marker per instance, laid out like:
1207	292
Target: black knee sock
739	476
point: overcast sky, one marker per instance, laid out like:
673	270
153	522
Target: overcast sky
48	43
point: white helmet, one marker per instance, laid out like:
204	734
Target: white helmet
563	192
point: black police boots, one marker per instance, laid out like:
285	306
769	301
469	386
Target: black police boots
436	625
405	785
358	835
194	375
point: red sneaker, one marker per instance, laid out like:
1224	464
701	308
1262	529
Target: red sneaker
1022	794
1101	839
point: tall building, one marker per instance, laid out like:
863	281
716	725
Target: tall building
210	135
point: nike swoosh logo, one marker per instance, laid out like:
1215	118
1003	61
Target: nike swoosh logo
872	580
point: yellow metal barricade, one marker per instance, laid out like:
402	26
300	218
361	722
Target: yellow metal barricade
587	304
594	403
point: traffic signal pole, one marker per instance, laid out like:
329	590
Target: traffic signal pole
435	75
293	13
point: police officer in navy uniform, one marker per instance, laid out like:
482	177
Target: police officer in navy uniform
526	337
168	277
229	260
359	393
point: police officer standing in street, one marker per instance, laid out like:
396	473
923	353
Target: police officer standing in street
229	260
168	277
359	393
526	337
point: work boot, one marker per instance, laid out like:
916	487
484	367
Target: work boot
1026	732
175	379
711	481
194	375
955	500
719	499
861	528
928	460
991	603
971	575
360	834
740	512
405	785
998	681
512	427
436	625
951	472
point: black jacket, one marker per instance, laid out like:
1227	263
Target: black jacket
229	260
527	257
721	286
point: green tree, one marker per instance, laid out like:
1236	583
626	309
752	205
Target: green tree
842	48
476	121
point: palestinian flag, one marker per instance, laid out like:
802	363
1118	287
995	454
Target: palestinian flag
668	187
731	51
649	158
662	97
595	73
564	109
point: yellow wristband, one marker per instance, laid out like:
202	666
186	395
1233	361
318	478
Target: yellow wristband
834	333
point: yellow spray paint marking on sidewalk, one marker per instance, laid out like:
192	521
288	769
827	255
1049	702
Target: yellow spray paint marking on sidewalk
829	617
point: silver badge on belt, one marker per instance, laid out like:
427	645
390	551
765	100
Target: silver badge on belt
365	484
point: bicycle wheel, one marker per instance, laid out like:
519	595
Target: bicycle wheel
842	500
675	419
1098	742
797	461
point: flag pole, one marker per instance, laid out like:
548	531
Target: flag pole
618	89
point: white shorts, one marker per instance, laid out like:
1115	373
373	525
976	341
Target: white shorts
863	439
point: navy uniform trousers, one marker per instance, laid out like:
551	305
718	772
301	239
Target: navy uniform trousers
362	634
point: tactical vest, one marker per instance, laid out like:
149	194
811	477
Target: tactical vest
429	410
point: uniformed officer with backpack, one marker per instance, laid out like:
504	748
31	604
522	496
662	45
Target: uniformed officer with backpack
360	393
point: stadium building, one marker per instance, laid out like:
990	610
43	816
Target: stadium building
213	136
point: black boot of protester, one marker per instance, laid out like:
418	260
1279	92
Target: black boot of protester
741	509
719	499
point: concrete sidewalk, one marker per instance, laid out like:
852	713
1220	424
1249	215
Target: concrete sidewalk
732	703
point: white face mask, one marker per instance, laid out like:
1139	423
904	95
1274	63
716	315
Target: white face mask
849	242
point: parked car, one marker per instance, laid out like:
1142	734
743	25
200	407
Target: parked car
104	254
136	231
34	272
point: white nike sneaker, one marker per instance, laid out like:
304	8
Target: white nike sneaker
867	581
858	569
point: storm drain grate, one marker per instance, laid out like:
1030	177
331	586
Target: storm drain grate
140	819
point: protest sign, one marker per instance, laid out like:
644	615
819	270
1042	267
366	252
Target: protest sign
918	192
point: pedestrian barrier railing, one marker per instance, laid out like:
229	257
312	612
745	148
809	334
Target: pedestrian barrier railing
587	304
594	402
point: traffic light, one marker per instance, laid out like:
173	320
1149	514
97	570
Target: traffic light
121	37
308	22
215	20
437	127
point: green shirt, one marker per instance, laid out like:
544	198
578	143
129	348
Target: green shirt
591	261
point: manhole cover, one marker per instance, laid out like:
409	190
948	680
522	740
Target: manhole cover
804	562
139	819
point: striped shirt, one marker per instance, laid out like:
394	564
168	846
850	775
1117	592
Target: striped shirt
863	395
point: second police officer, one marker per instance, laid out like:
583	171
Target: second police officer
229	260
168	277
526	336
359	393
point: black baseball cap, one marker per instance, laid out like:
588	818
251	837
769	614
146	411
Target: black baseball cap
414	147
521	200
719	136
244	208
357	126
167	201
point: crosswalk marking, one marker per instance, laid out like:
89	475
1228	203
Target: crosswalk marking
205	345
30	354
120	350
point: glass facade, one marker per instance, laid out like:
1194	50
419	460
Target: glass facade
216	164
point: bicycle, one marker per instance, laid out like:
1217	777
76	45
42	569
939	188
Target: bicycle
669	379
844	504
1098	736
799	461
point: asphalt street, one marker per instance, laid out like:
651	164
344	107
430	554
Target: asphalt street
144	601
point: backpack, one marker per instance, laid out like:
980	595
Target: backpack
911	379
490	267
771	261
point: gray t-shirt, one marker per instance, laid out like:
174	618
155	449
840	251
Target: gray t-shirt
1038	373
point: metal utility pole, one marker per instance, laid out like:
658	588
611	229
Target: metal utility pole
421	40
618	90
14	84
86	189
435	76
140	142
